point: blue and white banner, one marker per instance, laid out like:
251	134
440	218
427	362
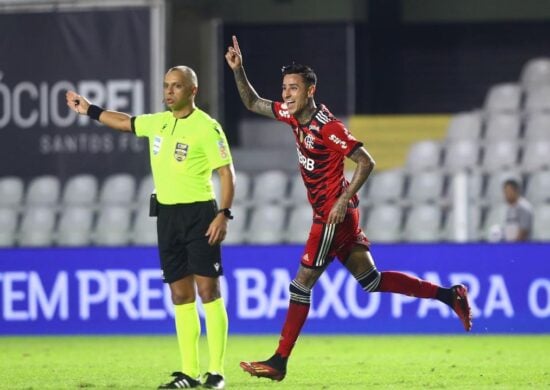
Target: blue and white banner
119	291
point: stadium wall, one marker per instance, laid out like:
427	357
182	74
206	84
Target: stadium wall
119	291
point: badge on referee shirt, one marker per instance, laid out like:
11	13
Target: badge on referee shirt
180	152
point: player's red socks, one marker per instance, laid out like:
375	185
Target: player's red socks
398	282
295	318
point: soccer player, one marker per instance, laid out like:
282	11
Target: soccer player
322	142
186	145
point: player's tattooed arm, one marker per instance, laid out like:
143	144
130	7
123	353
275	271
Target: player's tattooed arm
250	97
365	165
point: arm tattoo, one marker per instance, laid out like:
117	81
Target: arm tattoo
365	165
250	97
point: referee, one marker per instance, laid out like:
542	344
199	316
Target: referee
185	146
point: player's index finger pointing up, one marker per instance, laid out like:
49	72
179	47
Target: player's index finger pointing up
236	44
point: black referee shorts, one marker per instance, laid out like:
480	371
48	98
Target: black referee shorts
183	246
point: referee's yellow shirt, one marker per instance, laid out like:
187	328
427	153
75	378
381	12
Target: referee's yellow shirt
184	152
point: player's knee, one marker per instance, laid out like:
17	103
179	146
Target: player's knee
299	293
369	280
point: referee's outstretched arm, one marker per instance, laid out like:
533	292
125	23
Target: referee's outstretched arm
113	119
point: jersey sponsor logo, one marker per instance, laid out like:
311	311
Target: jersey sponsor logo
283	111
308	141
157	142
307	163
180	152
222	148
338	141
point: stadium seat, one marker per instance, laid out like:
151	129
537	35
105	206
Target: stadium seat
503	97
299	224
8	221
425	186
80	190
503	126
493	193
491	228
266	224
475	183
145	189
384	223
118	189
37	226
464	126
537	127
386	186
423	155
43	191
269	187
144	228
500	155
538	100
536	156
538	187
75	226
423	223
112	227
236	230
535	72
298	192
541	223
473	224
242	187
461	155
11	191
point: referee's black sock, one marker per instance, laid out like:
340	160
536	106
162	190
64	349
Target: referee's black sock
445	295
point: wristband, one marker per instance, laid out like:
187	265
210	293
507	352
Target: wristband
226	213
94	111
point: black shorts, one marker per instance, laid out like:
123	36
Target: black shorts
183	246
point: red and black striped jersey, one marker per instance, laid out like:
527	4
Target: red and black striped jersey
322	144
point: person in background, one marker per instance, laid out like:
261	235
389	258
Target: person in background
186	145
518	220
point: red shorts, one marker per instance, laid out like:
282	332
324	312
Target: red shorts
328	240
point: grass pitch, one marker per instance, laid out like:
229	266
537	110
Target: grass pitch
318	362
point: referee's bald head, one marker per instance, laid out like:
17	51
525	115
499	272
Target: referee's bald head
188	73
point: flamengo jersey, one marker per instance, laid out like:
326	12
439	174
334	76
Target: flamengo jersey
322	145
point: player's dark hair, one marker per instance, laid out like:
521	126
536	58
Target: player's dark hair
305	71
512	183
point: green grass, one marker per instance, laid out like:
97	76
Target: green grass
318	362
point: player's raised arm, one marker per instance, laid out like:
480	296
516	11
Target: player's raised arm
249	96
113	119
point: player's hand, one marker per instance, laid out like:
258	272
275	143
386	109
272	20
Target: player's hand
217	230
338	212
233	55
77	103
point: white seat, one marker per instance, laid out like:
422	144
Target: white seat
541	223
269	186
536	155
494	192
475	186
425	186
384	223
461	155
43	191
80	190
503	126
464	126
298	192
538	187
11	191
118	189
538	127
386	186
112	227
75	226
266	224
538	100
299	224
144	228
535	72
8	221
500	155
473	224
494	219
37	226
423	224
503	97
424	155
242	188
236	229
145	189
